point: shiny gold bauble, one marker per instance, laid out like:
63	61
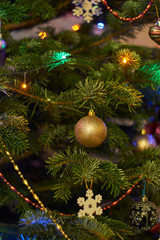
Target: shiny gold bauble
143	142
90	131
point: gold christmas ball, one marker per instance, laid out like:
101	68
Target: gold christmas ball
90	131
143	142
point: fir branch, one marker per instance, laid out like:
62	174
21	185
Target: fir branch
53	136
151	172
34	220
30	46
92	229
110	91
99	42
118	227
62	189
113	178
116	137
79	167
87	170
14	130
19	122
39	99
11	12
64	158
132	160
148	74
13	106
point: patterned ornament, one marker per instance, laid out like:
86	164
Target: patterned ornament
143	142
86	8
89	205
144	215
154	32
90	131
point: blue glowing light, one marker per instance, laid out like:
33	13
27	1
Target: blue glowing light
27	238
100	25
37	217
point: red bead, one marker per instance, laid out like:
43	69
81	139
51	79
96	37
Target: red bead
115	14
27	199
129	191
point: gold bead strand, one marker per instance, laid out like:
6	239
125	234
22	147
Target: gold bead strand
25	182
35	196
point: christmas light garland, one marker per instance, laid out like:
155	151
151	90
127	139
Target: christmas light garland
62	59
128	19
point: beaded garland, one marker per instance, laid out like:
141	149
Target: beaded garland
35	196
62	214
128	19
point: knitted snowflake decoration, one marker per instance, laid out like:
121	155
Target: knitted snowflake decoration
86	8
89	205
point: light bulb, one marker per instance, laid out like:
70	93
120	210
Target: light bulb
76	27
24	85
42	35
100	25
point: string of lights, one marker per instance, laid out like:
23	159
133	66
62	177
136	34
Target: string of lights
64	57
141	15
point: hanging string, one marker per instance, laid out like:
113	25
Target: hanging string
144	189
156	9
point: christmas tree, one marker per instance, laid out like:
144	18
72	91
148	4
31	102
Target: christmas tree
79	126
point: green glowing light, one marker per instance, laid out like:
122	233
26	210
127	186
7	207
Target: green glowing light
58	59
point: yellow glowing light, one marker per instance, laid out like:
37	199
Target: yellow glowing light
124	60
143	132
42	35
76	27
128	58
24	85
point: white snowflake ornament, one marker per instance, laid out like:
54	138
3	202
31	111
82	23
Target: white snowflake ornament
89	205
86	8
